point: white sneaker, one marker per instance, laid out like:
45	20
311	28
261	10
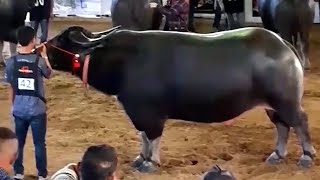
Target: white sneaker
18	177
42	178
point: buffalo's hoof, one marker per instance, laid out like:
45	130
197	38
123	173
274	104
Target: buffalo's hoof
147	167
274	159
137	162
305	161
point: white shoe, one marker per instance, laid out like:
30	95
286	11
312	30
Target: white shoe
18	177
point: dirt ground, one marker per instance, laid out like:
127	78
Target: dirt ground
188	149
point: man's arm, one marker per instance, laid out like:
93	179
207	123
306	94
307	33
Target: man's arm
8	77
45	68
44	63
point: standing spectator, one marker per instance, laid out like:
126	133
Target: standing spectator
234	7
218	9
40	15
177	14
8	151
192	7
5	55
98	162
25	72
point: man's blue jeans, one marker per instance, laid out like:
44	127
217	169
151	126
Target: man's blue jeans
44	24
39	128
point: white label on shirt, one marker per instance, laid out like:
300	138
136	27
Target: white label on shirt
26	84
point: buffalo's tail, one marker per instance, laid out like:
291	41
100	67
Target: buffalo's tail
296	52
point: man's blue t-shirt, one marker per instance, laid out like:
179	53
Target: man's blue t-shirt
28	106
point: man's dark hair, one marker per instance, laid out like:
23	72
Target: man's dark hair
98	162
5	135
216	173
25	35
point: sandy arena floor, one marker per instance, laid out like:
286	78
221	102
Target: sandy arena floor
188	149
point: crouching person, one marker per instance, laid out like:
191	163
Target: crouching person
216	173
8	152
98	162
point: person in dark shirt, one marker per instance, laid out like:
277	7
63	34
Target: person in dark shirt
24	72
8	151
234	7
40	15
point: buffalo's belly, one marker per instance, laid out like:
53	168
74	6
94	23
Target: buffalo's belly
210	112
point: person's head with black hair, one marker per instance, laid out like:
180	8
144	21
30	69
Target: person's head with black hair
8	148
99	163
26	36
216	173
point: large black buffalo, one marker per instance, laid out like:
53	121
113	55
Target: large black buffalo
12	16
291	19
136	14
208	78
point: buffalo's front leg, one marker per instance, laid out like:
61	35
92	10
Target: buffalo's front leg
145	151
152	160
282	138
149	121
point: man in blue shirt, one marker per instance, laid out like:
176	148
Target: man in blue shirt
8	151
25	72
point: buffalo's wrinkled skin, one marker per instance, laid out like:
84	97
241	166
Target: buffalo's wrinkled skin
291	19
208	78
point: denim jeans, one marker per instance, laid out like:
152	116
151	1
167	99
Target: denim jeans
44	24
39	128
6	55
234	24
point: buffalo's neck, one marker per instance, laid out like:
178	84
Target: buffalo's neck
108	63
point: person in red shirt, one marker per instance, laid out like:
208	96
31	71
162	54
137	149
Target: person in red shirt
177	14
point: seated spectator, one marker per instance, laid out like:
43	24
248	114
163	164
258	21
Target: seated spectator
216	173
8	151
98	162
177	14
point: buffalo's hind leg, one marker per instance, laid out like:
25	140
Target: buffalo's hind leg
302	132
293	115
282	138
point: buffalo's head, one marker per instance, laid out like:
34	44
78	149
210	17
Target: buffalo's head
71	42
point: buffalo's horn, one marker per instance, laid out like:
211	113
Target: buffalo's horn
91	42
106	31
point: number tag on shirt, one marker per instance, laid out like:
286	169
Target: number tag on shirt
26	84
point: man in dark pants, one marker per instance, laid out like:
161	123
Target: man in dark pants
40	15
25	72
218	9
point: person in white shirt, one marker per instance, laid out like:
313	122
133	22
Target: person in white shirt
98	162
